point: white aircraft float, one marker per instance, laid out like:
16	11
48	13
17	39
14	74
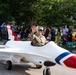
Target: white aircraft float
17	51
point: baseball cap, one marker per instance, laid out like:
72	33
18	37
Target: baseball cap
40	28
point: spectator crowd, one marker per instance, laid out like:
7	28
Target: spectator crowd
62	36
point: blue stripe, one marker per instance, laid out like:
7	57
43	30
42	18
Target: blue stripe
61	56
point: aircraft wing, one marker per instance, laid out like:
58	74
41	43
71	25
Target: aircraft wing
13	54
18	55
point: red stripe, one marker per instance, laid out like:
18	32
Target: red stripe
71	62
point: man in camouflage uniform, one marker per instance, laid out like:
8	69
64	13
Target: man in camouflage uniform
38	38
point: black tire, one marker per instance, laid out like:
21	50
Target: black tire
47	71
8	65
38	66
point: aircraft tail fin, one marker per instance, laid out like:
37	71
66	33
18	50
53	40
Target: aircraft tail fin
11	34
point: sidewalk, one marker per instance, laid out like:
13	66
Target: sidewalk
2	42
74	51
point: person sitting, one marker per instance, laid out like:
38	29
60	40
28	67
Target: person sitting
38	38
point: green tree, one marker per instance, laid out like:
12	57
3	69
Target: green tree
43	12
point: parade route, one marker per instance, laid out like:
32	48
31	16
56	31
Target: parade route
29	69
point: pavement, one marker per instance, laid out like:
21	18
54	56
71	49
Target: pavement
29	69
2	42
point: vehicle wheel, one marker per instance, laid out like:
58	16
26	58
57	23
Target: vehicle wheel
8	65
38	66
47	71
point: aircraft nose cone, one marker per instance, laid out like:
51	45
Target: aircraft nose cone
71	62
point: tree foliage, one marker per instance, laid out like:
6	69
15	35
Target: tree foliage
43	12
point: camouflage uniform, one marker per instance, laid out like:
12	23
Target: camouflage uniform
39	40
30	37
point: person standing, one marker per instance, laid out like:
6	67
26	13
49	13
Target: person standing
69	38
32	32
53	34
0	33
64	34
74	38
47	32
58	37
